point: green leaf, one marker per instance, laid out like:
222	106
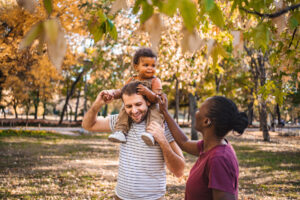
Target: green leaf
35	31
41	39
209	5
221	51
188	12
170	7
98	34
95	29
48	6
216	16
112	29
102	17
294	20
261	36
147	12
158	3
136	6
234	5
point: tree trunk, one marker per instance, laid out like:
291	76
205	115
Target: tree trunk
258	72
45	109
67	114
77	104
3	110
36	104
218	82
85	96
176	101
69	95
250	112
263	120
193	108
104	110
263	106
184	114
15	109
70	112
27	111
189	115
278	114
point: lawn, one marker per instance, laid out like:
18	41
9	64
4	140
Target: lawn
41	165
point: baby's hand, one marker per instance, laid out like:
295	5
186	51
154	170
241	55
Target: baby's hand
107	96
142	90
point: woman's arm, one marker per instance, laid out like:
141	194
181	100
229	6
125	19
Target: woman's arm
182	140
172	153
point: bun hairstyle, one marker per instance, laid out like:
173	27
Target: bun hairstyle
225	116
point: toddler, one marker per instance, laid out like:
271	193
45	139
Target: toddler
144	62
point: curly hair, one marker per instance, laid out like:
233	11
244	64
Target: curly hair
143	52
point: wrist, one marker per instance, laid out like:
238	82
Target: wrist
161	140
96	107
164	112
117	94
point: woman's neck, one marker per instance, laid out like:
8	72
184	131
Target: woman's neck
211	140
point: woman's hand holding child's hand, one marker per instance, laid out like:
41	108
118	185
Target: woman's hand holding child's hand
163	103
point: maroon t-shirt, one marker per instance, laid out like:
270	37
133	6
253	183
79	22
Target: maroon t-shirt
217	168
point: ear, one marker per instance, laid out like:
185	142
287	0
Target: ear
207	122
135	67
148	103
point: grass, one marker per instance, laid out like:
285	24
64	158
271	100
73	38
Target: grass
44	165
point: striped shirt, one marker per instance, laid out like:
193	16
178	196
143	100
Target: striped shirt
142	173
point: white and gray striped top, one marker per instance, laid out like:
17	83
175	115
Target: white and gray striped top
142	173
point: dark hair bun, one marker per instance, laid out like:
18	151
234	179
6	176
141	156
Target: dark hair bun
240	122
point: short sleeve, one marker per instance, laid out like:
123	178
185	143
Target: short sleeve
222	175
168	134
112	121
200	146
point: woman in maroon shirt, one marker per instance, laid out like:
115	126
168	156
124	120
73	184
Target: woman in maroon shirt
215	174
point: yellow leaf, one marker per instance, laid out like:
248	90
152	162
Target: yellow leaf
51	30
238	42
191	41
210	43
57	49
154	26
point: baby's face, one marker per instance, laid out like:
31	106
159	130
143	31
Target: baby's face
146	67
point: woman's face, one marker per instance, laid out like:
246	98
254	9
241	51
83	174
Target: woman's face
201	119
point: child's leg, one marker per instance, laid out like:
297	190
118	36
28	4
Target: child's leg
121	128
122	123
153	115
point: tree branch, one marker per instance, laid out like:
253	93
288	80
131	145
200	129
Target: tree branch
272	15
294	33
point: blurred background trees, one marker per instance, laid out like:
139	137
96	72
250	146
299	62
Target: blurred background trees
56	56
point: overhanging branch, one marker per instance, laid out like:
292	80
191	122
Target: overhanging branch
272	15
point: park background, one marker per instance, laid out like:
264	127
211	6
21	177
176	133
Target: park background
56	56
